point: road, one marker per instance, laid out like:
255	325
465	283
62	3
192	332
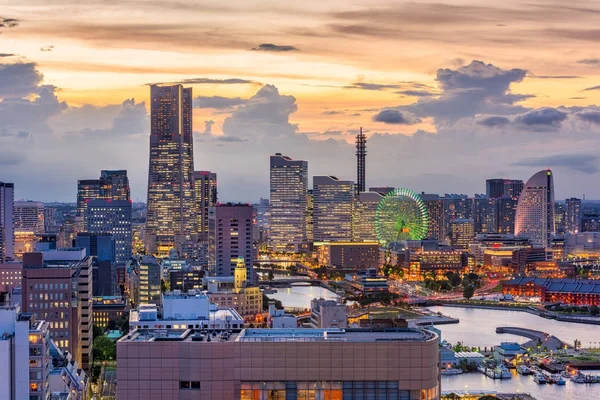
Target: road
109	389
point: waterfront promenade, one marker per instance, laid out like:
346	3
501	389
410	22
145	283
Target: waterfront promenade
548	341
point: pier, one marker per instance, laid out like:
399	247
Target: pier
547	340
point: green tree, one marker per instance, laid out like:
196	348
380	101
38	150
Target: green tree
594	310
104	349
468	291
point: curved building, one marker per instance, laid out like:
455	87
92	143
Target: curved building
535	209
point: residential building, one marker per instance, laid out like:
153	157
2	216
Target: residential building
506	210
463	233
150	274
328	314
171	213
206	196
535	209
497	188
288	202
333	209
7	229
112	217
484	214
67	381
10	276
574	213
279	364
230	236
107	308
363	221
435	211
57	286
24	354
348	255
310	220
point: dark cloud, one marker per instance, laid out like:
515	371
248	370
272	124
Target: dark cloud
589	116
19	80
230	139
391	117
274	47
217	102
416	93
493	122
47	48
589	61
585	163
592	88
132	119
8	22
6	55
372	86
548	116
333	112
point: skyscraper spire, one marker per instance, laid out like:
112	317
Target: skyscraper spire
361	156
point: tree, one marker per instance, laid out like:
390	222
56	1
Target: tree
577	344
594	310
455	279
104	348
469	291
271	275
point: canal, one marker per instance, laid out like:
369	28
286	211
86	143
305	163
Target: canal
299	297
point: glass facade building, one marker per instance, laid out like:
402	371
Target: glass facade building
206	196
333	209
535	209
114	217
573	215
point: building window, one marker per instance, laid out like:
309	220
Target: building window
184	384
195	385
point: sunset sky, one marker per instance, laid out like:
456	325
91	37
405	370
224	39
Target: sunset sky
449	92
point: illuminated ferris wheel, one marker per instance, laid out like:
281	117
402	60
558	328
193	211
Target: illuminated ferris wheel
401	215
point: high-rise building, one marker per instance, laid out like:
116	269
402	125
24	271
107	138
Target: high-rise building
29	216
149	290
496	188
101	246
506	209
289	191
112	185
361	161
113	217
7	230
574	214
171	214
57	286
206	196
435	211
463	233
365	211
310	211
382	190
230	237
25	359
535	209
333	206
484	214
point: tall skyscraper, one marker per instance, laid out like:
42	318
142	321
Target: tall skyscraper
535	209
435	210
506	209
230	236
113	217
112	185
101	246
365	210
573	215
496	188
289	191
206	196
361	161
171	214
7	230
484	214
149	290
87	189
29	216
463	233
333	208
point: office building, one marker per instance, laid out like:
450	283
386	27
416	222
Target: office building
230	236
365	211
171	214
288	202
333	207
524	258
25	359
484	214
10	276
111	186
435	211
574	212
361	162
348	255
29	216
102	248
463	233
7	238
206	196
310	221
112	217
396	363
186	279
535	210
87	189
327	314
150	275
506	210
57	286
108	308
497	188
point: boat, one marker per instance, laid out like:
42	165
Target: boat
500	372
539	378
451	371
579	378
504	372
524	370
558	379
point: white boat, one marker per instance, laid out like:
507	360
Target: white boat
539	378
558	379
579	378
500	372
451	371
523	370
504	372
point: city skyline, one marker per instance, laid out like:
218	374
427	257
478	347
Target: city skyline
430	112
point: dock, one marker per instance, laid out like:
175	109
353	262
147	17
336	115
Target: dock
548	341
